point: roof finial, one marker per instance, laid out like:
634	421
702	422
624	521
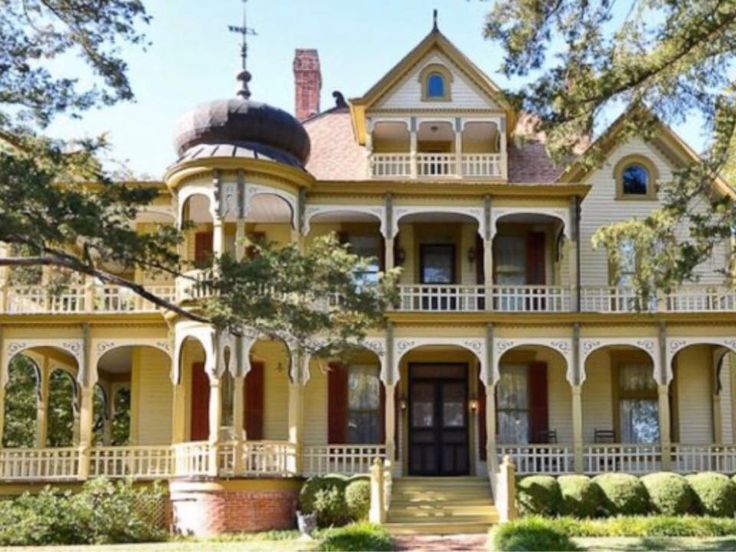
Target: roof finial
243	76
435	28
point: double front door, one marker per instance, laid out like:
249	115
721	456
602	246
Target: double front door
438	419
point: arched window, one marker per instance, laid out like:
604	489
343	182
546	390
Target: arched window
435	86
635	179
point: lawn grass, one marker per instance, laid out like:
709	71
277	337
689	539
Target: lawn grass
621	544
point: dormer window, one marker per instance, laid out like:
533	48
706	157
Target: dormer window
435	86
636	178
436	81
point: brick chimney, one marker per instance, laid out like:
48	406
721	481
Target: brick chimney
307	83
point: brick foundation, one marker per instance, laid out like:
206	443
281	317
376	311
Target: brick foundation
205	508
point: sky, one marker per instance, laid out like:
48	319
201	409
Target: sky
194	59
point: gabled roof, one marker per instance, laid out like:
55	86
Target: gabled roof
666	140
435	40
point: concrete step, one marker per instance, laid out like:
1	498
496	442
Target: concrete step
442	528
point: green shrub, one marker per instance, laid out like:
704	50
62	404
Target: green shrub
669	493
325	497
102	512
538	494
716	493
532	533
356	536
644	526
358	499
622	494
580	496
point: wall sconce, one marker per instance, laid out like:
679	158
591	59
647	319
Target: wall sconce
403	404
473	403
471	255
400	256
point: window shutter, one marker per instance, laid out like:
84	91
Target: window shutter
482	435
203	249
538	410
535	259
381	413
337	404
200	404
479	261
397	418
253	390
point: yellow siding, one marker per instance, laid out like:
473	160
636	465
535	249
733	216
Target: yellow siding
726	398
315	407
155	395
597	395
559	396
693	372
276	389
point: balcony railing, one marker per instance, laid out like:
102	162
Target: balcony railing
531	298
347	459
625	458
441	298
614	299
539	458
436	165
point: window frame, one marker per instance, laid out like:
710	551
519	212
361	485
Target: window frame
619	394
369	411
434	69
652	185
526	410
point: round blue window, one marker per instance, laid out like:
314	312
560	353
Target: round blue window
635	180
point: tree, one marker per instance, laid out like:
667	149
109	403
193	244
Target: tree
51	216
668	61
21	403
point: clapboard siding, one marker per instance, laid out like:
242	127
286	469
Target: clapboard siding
315	407
275	389
694	401
408	92
726	397
597	395
155	394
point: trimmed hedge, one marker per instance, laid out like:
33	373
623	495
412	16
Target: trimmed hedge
669	493
336	499
356	536
622	494
538	494
358	499
716	493
580	496
533	533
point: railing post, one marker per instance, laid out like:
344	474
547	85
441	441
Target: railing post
214	423
89	294
506	491
85	430
377	513
238	419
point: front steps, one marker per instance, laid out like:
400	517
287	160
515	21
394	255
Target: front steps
440	505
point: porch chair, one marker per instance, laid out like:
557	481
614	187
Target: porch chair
549	463
606	437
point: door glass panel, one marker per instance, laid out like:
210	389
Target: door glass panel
438	264
453	405
422	405
513	404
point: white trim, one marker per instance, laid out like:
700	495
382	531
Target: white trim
650	345
188	191
677	344
311	211
402	345
562	345
560	213
253	190
205	334
15	346
401	211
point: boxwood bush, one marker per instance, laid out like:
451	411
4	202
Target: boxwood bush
538	494
532	533
622	494
716	493
358	498
580	496
336	499
669	493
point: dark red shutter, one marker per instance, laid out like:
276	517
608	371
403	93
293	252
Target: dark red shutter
200	404
397	417
337	404
397	250
535	259
482	434
381	413
480	253
538	410
253	390
202	249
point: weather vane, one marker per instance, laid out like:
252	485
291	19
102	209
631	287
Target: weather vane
243	30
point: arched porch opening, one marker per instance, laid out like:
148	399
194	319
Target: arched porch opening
21	403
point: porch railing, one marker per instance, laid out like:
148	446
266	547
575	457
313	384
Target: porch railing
626	458
47	464
191	459
140	462
441	298
471	165
614	299
701	299
531	298
544	458
695	458
348	459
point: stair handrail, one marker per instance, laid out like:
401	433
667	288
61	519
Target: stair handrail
388	483
377	512
505	490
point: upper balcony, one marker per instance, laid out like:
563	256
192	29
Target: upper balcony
438	148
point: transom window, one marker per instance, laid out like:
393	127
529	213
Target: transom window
435	86
364	389
635	180
638	404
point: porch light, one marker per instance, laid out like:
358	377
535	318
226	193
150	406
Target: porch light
471	255
403	404
400	256
473	403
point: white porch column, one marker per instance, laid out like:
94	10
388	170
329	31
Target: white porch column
458	147
488	234
577	426
296	424
413	148
218	236
215	413
664	425
574	251
238	420
389	419
42	419
490	421
239	239
503	148
86	414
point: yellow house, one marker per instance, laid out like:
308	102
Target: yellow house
510	336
